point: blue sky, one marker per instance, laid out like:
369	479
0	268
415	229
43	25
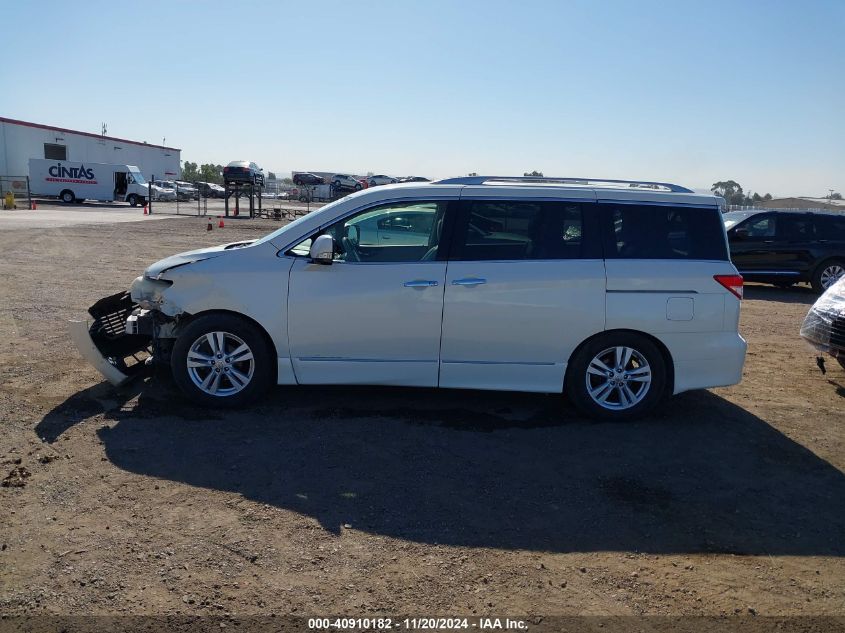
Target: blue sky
690	92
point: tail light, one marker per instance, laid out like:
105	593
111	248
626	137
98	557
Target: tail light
732	282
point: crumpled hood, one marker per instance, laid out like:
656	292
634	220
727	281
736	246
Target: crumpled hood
189	257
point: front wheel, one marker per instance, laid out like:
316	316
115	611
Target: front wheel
222	360
827	274
132	200
616	376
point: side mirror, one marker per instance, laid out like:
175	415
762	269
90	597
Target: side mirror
322	250
741	234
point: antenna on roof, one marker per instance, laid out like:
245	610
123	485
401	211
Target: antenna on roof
105	129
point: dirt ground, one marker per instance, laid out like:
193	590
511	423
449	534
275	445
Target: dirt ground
375	501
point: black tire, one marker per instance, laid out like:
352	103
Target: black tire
67	196
358	186
132	200
264	371
818	274
577	376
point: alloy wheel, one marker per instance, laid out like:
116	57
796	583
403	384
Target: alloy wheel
220	363
618	378
831	274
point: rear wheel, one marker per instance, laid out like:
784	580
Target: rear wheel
222	360
616	376
67	196
827	274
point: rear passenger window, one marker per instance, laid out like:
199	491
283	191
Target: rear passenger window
665	232
830	227
514	230
795	228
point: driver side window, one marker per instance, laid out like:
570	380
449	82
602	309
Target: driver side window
763	227
395	232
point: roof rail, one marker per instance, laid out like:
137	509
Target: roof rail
586	182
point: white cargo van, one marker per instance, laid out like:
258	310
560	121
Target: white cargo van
72	181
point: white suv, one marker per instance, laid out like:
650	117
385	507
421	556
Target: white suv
618	293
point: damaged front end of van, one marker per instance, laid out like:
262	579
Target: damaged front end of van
131	329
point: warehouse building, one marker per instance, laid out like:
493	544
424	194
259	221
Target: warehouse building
22	140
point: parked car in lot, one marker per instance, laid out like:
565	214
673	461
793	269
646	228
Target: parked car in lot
243	171
306	178
180	193
413	179
783	248
617	293
190	190
381	179
160	194
210	190
345	182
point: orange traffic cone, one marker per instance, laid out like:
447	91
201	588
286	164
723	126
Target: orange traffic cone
34	206
220	224
145	210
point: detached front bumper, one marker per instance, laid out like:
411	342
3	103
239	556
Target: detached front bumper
106	344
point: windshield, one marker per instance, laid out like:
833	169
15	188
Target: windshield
138	177
732	218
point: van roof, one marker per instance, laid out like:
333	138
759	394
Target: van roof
597	183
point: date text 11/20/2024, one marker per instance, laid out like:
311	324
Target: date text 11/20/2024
418	624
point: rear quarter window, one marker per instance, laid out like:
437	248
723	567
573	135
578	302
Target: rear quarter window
831	227
634	231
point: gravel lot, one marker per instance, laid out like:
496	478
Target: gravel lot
361	501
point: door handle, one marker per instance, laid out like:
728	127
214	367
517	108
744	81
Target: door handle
469	281
420	283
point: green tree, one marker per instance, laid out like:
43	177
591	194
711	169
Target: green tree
287	181
836	196
271	175
768	196
730	190
534	174
209	172
190	172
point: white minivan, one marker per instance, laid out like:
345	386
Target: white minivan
617	293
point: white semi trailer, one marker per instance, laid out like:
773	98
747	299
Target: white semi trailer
75	182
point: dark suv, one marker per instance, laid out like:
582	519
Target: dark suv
307	178
785	247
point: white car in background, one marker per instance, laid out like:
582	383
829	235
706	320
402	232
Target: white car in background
346	182
161	194
617	293
375	181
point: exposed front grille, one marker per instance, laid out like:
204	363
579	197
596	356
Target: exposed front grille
837	333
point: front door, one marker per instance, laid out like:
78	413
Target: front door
525	285
373	316
757	250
